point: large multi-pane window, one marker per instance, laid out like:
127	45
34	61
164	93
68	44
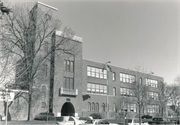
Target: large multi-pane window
152	83
127	92
69	65
68	83
127	78
96	88
153	108
130	107
96	72
152	95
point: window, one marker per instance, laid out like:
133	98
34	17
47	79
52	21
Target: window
151	82
105	89
68	83
97	107
44	69
43	105
89	106
140	81
96	72
96	88
114	107
113	76
64	64
64	82
103	107
72	66
89	87
152	95
130	107
46	46
127	78
153	108
93	107
71	83
114	91
69	65
43	88
126	92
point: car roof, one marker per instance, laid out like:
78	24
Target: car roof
85	118
113	120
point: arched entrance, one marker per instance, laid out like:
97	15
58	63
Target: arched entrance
67	109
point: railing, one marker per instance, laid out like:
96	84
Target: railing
64	91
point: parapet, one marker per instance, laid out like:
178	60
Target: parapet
75	38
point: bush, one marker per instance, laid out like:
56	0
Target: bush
45	113
96	116
43	117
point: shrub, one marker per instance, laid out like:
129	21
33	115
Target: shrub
96	116
45	117
45	113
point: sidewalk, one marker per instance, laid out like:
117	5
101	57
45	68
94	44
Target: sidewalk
28	123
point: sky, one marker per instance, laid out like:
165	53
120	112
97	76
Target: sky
129	33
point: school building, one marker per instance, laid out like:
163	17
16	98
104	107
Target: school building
73	86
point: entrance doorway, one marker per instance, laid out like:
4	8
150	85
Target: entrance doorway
68	109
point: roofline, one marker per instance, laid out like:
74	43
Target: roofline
47	5
75	38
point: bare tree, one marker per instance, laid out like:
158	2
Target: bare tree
140	90
137	94
174	99
27	31
6	70
166	92
122	110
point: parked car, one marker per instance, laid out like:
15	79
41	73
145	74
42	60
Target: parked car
99	122
159	120
134	121
85	118
69	121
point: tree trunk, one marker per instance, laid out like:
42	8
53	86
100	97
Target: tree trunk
52	70
29	108
139	115
30	100
161	111
8	114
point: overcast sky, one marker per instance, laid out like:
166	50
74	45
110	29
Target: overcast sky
126	32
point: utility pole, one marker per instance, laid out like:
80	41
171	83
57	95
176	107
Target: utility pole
107	67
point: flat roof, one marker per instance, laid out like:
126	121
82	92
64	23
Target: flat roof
76	38
47	6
